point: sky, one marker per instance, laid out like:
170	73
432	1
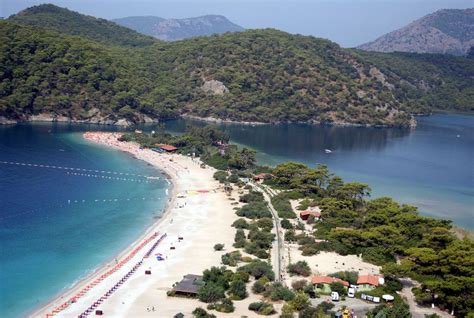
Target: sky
346	22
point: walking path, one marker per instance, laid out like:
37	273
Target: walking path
416	310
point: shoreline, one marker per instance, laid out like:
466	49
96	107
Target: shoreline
67	292
207	209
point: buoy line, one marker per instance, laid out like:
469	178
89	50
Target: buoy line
82	170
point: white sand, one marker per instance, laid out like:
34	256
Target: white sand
204	221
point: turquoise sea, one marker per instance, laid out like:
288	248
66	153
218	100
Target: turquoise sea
52	230
56	227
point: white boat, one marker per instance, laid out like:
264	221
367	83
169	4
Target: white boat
327	150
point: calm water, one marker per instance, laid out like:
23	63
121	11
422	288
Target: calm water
48	243
431	167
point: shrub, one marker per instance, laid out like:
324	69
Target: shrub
218	247
254	210
338	287
309	250
252	196
258	287
218	275
299	268
262	308
225	306
233	178
239	239
350	277
238	290
240	224
300	301
231	259
265	224
258	268
210	292
286	224
220	176
279	292
246	259
299	285
201	313
262	254
290	236
243	276
283	206
216	161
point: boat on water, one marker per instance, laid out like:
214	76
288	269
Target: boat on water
327	150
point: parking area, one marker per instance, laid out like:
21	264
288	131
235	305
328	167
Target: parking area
360	307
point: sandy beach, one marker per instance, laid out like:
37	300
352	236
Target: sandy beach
201	214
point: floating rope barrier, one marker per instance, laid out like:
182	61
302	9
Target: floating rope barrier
99	279
105	177
82	170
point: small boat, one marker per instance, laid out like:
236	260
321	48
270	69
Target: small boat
327	150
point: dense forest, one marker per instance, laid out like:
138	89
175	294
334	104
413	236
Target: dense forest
59	62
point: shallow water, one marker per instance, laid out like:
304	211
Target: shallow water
48	240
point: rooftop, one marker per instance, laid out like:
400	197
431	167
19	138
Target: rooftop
189	284
328	280
373	280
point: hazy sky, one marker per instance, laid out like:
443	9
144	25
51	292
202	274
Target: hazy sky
347	22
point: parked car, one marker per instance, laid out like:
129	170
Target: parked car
334	296
351	292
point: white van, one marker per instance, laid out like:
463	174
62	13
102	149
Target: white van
334	296
351	292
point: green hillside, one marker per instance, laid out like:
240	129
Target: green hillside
256	75
43	72
62	20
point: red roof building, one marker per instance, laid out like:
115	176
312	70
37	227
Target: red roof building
373	280
168	148
304	215
327	280
260	176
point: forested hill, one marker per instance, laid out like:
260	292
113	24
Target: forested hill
62	20
255	75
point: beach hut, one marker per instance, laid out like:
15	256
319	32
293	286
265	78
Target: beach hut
304	215
188	286
167	148
322	284
260	177
369	282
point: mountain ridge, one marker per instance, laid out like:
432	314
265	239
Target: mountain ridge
51	17
252	76
179	29
446	31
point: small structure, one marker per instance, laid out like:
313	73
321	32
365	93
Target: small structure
369	282
188	286
260	177
323	283
304	215
167	148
